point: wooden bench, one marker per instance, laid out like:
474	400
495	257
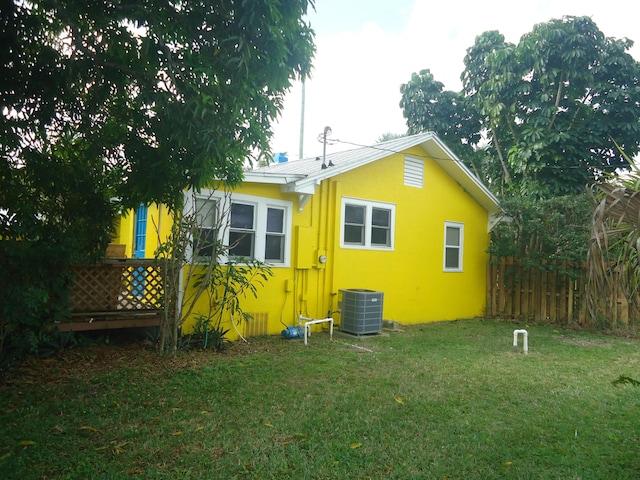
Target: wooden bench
116	293
102	320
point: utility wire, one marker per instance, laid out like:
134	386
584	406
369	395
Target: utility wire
390	150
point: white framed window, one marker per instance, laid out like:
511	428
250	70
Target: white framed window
367	224
252	227
275	237
207	223
453	246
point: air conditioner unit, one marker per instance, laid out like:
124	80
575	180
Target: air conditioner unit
360	311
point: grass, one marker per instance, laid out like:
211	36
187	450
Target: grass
439	401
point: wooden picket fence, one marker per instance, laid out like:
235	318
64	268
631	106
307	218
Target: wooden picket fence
555	297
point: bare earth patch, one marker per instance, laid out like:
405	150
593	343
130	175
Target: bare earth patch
87	362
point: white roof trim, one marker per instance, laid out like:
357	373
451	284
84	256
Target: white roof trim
273	178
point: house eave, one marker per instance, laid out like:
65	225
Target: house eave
272	178
302	187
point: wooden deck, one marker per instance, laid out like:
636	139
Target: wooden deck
117	293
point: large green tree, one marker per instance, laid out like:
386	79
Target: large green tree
107	104
159	96
539	117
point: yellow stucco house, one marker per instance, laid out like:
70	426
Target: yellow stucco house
404	219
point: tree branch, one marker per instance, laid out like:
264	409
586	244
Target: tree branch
507	175
582	102
557	102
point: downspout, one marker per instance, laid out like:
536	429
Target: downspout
320	268
333	205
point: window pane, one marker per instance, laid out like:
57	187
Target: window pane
380	236
204	244
205	212
380	217
275	220
241	244
453	236
354	214
452	258
354	234
274	248
242	216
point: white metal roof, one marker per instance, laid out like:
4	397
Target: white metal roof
302	176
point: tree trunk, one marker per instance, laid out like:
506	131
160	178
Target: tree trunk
505	169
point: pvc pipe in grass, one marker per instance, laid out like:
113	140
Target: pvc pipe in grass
525	340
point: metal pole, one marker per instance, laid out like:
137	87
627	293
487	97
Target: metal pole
301	151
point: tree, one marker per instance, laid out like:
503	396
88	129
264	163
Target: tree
109	104
162	96
549	234
539	117
385	137
196	264
427	106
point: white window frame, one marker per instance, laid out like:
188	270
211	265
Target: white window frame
460	227
369	205
261	205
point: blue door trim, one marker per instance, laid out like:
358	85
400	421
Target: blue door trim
140	233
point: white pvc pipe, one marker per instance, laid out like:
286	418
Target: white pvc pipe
525	340
307	322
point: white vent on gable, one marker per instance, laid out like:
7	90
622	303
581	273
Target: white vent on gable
413	172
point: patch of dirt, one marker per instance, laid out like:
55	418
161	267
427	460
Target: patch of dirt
79	363
141	357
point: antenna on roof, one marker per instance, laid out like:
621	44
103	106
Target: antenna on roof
323	138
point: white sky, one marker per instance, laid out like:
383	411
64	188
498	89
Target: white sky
367	48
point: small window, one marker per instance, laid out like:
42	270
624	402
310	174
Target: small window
206	225
275	236
367	224
242	230
453	241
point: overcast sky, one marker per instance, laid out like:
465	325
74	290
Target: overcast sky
367	48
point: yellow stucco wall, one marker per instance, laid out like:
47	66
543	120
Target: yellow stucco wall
158	226
123	232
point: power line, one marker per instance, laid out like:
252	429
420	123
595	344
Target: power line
390	150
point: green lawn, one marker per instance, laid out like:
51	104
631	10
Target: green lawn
439	401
